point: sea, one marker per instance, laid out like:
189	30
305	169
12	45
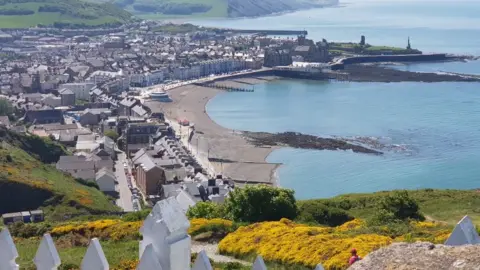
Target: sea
434	127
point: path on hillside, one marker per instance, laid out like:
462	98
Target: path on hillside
212	252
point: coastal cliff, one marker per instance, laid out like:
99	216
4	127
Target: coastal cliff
252	8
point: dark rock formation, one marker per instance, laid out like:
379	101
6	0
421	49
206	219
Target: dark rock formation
299	140
421	255
375	73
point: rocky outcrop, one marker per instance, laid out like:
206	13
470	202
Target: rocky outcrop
376	73
304	141
421	255
255	8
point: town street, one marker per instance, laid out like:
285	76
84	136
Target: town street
125	199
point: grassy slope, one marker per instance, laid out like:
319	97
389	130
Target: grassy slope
28	183
441	205
104	14
114	251
218	10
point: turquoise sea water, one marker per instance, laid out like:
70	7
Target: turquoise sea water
436	122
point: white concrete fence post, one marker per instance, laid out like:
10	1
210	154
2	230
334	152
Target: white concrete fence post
202	262
464	233
94	257
259	264
165	229
8	251
149	260
47	257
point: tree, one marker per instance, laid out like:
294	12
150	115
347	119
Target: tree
112	134
207	210
255	203
399	206
6	108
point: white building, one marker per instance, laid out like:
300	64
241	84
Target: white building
106	180
156	76
81	90
138	79
102	76
52	100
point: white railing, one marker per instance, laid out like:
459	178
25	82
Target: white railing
166	245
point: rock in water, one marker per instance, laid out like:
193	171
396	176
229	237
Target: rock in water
420	255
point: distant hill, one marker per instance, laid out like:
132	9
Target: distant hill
60	13
27	183
215	8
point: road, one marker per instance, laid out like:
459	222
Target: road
125	199
198	152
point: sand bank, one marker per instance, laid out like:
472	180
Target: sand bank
242	161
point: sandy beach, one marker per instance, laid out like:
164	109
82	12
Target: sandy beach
243	162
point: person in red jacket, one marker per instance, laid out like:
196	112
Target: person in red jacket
354	257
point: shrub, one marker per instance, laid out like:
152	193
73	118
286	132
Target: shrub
5	107
111	229
316	212
25	230
112	134
255	203
400	206
295	244
16	11
87	183
136	216
216	225
206	210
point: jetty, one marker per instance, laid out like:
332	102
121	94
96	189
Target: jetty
226	87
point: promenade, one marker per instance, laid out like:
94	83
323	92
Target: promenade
230	153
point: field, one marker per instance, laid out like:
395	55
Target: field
158	10
26	13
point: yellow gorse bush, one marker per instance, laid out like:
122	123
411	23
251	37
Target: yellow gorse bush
112	229
197	224
350	225
290	243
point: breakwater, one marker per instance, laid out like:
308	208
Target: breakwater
267	32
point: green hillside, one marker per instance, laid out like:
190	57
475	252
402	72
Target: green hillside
27	183
59	13
447	206
172	8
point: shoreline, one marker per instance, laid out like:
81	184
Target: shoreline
241	161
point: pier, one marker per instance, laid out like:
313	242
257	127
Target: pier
226	88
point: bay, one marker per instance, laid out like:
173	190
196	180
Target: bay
436	123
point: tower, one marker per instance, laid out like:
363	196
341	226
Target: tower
36	85
301	39
409	47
